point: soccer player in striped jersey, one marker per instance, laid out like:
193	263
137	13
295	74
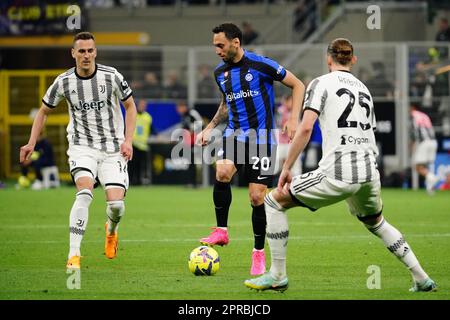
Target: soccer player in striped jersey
245	80
99	144
347	170
424	146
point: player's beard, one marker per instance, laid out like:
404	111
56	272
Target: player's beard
230	56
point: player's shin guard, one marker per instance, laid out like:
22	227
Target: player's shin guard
114	210
78	220
259	226
396	244
277	236
222	202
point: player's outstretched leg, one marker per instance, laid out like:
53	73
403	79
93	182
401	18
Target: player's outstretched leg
77	226
277	237
114	210
396	244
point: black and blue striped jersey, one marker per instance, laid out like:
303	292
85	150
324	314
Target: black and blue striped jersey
247	88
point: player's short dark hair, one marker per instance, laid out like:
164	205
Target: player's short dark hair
230	29
83	36
341	51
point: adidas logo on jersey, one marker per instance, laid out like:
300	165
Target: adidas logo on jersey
242	94
93	105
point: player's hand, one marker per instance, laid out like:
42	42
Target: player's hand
25	152
290	128
126	149
284	181
203	137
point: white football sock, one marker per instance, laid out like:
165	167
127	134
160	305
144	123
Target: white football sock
78	220
395	243
114	210
277	236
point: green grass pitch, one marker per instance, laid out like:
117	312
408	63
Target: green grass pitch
329	251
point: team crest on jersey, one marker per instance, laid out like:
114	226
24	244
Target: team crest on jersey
124	85
102	88
249	77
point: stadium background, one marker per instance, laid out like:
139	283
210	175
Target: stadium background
172	39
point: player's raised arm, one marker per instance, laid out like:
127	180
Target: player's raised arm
130	124
298	94
36	129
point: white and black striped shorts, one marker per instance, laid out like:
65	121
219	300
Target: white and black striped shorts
109	168
314	190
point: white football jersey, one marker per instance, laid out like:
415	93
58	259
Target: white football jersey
347	121
95	116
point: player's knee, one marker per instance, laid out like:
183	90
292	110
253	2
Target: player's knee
223	175
371	221
84	197
116	207
257	197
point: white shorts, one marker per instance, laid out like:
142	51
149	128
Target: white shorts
425	152
314	190
109	168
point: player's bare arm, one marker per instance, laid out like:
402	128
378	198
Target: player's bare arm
126	149
36	129
220	117
298	94
301	139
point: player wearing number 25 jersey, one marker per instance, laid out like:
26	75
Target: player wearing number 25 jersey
347	120
347	170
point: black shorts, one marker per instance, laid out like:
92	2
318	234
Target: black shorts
258	159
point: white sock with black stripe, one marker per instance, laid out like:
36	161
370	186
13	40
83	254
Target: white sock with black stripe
78	220
396	244
114	210
277	236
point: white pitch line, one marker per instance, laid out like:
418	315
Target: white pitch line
307	238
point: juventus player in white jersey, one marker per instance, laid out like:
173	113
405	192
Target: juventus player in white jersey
99	144
347	170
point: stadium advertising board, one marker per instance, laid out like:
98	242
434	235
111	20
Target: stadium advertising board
37	17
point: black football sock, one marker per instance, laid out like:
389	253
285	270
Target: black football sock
222	202
259	225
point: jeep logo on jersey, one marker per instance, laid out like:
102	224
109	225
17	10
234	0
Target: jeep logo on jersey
353	140
93	105
242	95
